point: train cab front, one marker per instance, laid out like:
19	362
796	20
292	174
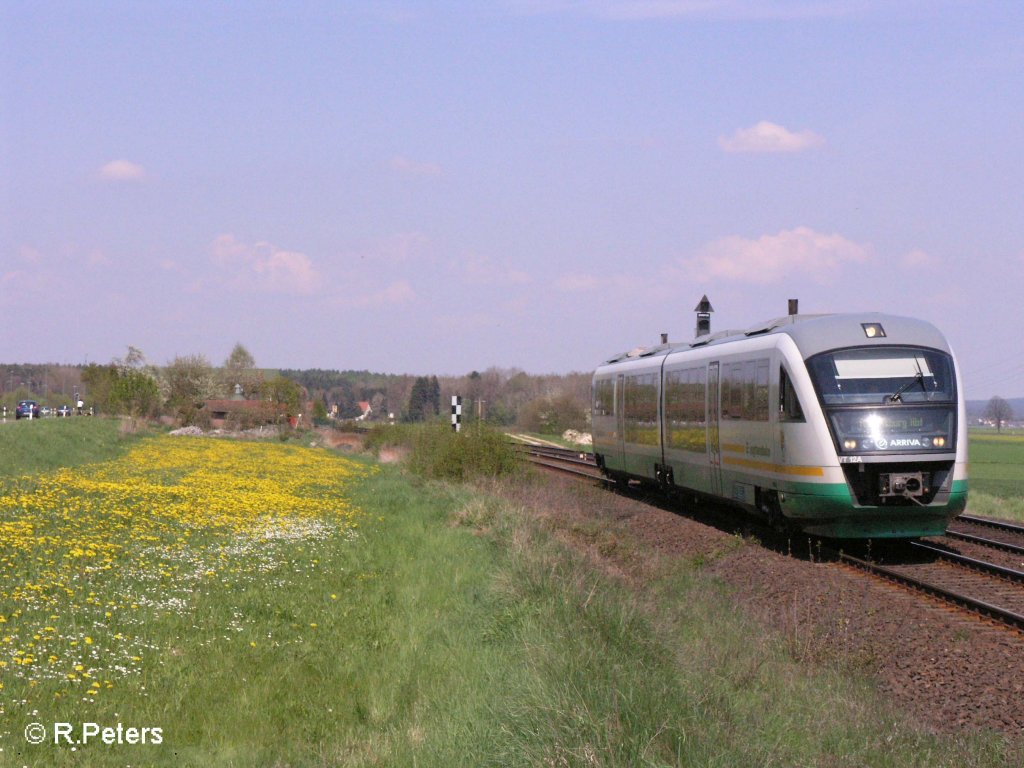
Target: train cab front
892	413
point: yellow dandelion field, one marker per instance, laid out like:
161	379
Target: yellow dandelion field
89	555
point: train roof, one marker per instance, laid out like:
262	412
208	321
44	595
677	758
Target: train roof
813	334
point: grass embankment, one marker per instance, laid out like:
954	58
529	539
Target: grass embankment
39	445
270	605
996	475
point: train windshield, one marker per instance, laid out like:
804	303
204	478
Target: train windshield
883	375
884	400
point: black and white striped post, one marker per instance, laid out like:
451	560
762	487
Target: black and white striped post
456	413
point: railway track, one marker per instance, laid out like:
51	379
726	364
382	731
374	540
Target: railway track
978	566
995	534
990	590
564	460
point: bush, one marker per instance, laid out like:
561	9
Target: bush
477	451
438	453
387	436
553	415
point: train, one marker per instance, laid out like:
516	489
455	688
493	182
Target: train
845	426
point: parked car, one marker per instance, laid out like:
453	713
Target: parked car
64	410
27	409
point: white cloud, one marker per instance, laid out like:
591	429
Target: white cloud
401	247
769	137
122	170
770	258
730	10
263	266
97	258
396	293
482	270
582	282
287	270
577	283
660	9
917	258
30	255
407	167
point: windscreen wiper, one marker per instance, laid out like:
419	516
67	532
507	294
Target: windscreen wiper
897	396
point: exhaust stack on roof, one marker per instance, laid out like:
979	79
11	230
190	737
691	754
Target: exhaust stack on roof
793	304
703	311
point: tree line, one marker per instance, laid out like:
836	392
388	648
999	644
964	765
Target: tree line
499	396
133	386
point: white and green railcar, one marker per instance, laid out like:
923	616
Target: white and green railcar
850	426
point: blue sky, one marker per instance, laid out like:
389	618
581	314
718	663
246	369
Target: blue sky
437	187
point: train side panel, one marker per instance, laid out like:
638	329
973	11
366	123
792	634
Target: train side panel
628	439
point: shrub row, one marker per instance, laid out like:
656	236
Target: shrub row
435	451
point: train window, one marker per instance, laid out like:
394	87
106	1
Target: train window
732	391
684	410
604	397
761	391
745	390
789	403
640	409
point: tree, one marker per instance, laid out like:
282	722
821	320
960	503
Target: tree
999	411
240	370
419	399
319	413
240	359
186	383
283	393
99	380
434	396
553	415
135	393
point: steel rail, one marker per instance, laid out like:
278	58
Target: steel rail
583	457
981	607
992	543
988	522
981	566
566	466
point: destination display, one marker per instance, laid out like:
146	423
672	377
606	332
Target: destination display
894	429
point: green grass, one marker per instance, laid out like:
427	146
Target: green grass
41	445
459	629
997	465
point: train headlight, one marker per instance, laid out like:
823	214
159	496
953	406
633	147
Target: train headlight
873	330
849	445
938	442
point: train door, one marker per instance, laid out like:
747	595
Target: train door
620	421
714	415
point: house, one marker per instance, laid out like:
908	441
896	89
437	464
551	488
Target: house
242	413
